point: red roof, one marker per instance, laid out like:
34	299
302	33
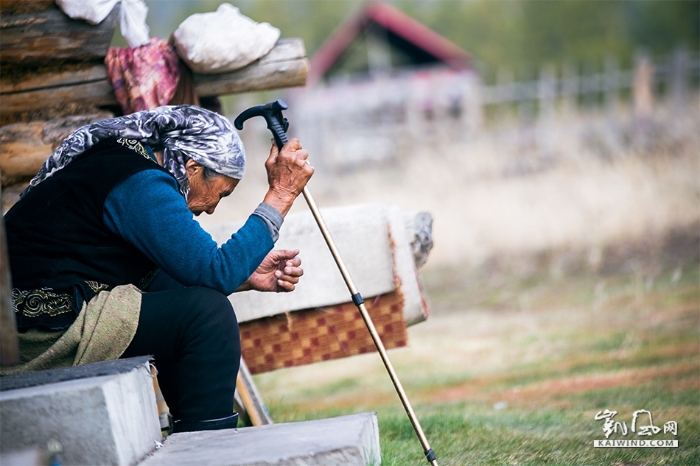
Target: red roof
394	21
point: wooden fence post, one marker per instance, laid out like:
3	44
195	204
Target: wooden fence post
504	82
569	88
546	114
472	104
643	88
9	343
612	85
679	78
590	88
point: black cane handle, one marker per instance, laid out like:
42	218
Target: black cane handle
272	112
278	132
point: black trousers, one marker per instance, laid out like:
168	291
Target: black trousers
192	332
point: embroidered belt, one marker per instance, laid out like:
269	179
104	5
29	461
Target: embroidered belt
33	303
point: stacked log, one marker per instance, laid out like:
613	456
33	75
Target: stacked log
285	66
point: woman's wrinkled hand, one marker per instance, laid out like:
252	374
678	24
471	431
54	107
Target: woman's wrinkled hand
278	272
288	171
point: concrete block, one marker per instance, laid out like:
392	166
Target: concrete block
109	419
346	440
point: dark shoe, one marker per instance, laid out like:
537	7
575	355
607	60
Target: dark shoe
230	422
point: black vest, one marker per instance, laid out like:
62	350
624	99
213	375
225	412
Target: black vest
58	244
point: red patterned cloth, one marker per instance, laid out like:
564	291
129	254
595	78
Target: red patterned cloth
144	77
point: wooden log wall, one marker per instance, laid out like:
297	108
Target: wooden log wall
25	146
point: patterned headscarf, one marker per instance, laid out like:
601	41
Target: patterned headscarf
182	132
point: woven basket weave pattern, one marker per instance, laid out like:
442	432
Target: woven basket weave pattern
308	336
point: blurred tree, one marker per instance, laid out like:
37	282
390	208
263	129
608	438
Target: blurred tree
662	25
312	20
522	34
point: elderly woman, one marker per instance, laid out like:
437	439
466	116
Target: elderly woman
107	260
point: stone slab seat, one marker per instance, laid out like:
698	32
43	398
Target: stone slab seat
346	440
103	413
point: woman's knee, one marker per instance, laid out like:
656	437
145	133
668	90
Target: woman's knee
196	318
212	308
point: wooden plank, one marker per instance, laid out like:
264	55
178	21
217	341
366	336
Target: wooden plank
50	35
97	93
262	77
249	399
9	342
73	74
285	66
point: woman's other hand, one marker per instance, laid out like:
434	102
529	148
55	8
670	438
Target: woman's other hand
278	272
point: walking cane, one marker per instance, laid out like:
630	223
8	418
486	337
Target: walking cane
277	124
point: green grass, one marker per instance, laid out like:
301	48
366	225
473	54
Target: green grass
571	353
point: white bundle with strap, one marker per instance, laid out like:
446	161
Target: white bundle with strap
222	41
132	16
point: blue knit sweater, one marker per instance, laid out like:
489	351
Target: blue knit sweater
148	211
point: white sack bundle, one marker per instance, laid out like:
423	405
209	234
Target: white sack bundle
222	41
132	16
92	11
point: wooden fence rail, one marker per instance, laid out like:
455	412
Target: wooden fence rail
675	73
380	115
